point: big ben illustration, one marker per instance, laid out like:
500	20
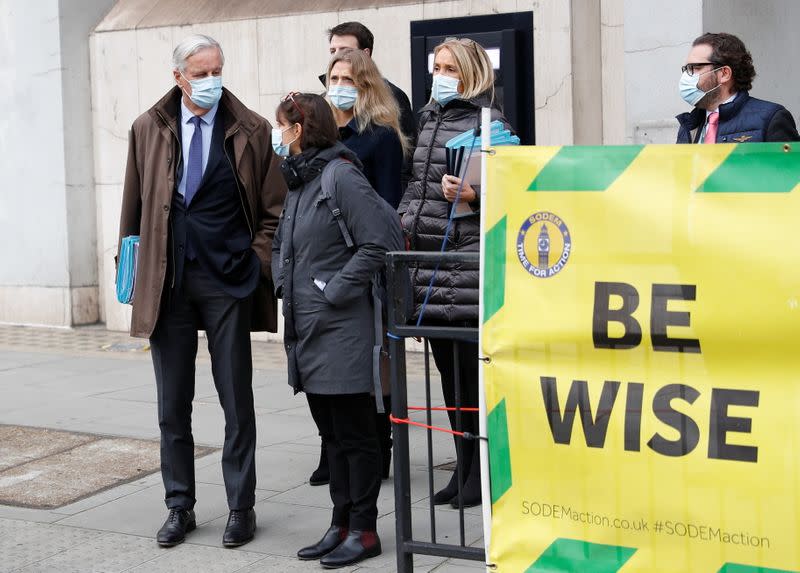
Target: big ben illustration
544	248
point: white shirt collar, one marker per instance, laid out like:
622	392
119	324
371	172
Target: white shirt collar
207	118
729	100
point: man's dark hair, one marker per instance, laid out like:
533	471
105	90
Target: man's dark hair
360	31
315	115
728	50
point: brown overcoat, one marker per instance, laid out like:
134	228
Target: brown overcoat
153	154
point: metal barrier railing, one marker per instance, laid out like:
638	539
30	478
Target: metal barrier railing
400	312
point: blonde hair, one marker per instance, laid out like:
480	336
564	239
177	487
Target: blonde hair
474	65
375	103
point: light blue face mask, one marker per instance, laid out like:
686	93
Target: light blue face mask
689	91
205	91
280	148
343	97
445	88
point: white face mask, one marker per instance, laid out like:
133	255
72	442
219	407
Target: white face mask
689	91
444	89
206	91
280	148
343	97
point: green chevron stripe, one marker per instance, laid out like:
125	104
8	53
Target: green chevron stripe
499	451
494	282
736	568
585	168
572	556
755	168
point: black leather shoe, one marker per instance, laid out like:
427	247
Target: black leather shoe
241	527
179	522
321	475
358	545
330	541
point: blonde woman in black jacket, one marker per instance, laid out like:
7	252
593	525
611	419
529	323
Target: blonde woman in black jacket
463	83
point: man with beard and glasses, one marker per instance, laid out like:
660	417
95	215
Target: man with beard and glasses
716	79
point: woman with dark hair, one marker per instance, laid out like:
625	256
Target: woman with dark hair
368	119
332	238
463	83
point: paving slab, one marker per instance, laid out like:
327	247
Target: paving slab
142	512
186	558
102	553
24	543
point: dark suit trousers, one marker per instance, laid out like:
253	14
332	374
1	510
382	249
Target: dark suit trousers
347	425
201	304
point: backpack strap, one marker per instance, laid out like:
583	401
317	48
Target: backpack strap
328	195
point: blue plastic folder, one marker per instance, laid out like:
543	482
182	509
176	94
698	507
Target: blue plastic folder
499	136
126	269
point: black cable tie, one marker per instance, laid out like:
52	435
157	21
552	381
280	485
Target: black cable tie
492	566
471	436
486	359
490	151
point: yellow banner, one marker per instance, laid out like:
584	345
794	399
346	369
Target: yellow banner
642	321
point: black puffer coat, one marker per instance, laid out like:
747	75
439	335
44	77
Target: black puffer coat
425	212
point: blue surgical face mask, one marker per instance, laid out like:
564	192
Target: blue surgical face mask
343	97
205	91
689	91
445	88
280	148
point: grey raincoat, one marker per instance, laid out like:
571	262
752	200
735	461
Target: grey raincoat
325	286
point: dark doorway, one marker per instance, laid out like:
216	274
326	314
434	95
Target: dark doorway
508	38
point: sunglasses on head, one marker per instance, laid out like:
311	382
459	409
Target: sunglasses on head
290	97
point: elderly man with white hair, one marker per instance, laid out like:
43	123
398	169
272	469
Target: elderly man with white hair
203	191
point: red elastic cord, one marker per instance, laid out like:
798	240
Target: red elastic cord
426	426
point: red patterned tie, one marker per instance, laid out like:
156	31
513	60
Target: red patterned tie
711	130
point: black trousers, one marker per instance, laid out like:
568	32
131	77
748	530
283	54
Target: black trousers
347	425
467	364
201	304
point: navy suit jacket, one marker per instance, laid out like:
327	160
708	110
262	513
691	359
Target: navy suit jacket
213	227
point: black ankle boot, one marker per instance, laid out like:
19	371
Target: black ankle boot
358	545
330	541
450	491
471	490
321	475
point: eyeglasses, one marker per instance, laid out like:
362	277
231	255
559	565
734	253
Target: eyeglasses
693	67
290	97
